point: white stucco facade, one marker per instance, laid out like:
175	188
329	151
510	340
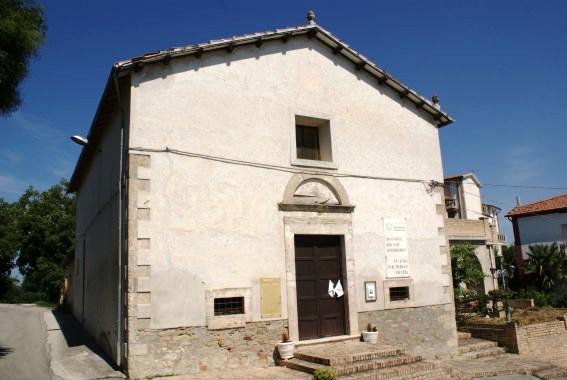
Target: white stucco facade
216	194
217	225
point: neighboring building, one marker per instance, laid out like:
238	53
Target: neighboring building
469	221
541	222
254	170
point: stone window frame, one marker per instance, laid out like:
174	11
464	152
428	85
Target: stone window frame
327	139
398	283
219	322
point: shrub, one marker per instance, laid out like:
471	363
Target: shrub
325	374
540	298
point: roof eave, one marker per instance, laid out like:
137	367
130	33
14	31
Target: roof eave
89	149
560	210
441	118
123	68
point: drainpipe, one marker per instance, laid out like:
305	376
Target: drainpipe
518	248
120	216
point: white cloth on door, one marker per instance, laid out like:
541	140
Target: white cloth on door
331	288
339	289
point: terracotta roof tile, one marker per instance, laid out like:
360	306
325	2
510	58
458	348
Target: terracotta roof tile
556	203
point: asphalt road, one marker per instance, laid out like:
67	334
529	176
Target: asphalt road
23	352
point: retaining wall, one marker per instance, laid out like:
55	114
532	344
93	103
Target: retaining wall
546	341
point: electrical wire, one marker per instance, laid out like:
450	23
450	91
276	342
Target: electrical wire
525	187
428	183
518	186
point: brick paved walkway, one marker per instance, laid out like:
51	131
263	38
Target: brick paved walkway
507	364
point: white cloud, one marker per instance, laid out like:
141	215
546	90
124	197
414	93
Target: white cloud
11	187
37	128
11	157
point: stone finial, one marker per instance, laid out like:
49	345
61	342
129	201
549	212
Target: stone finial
311	17
435	100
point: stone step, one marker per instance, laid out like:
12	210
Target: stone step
552	373
351	368
500	365
483	353
489	372
473	344
463	335
413	371
330	357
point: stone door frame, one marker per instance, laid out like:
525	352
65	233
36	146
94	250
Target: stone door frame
313	223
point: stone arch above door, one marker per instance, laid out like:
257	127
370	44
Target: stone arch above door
312	192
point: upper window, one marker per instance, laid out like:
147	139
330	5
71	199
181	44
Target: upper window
307	142
313	143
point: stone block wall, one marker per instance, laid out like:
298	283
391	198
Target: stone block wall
428	330
546	341
193	350
138	274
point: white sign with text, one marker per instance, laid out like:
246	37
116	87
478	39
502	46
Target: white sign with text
397	258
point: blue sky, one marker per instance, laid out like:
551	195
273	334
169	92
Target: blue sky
499	67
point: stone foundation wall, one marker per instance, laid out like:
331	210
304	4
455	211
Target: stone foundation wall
192	350
430	330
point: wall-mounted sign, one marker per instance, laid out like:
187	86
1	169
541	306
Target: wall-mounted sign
397	258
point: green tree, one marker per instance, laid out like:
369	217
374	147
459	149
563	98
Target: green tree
46	225
466	267
468	280
22	32
545	267
8	245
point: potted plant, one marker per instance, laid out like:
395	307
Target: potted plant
286	347
371	334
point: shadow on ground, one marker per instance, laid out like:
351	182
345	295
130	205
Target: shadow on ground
75	335
4	350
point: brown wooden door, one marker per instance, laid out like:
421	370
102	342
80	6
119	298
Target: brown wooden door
318	260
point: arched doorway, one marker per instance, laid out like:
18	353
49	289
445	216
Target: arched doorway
318	242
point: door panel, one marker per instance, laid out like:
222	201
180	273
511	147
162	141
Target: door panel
307	269
317	260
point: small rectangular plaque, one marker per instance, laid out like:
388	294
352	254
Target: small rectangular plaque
270	297
370	291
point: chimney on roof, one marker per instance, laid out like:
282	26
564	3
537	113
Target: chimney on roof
518	203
